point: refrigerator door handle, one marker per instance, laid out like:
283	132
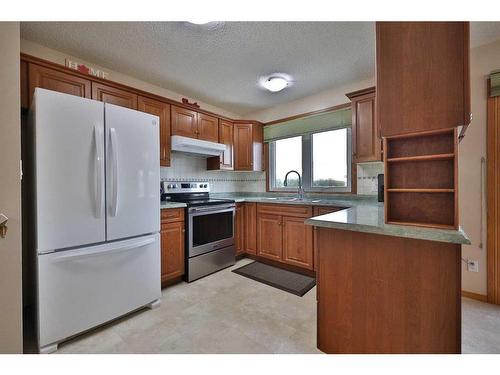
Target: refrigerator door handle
78	254
114	173
99	170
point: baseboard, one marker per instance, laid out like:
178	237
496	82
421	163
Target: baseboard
476	296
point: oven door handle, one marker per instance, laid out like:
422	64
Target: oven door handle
213	209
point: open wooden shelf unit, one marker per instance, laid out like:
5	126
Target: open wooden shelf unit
421	179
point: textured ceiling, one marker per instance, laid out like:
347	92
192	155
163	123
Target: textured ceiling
221	63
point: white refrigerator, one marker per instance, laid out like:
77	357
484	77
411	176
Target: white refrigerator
96	210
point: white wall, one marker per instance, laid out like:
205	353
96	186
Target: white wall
324	99
11	340
484	59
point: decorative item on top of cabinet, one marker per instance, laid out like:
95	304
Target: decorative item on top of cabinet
113	95
422	76
172	244
50	79
248	146
421	182
162	110
225	161
366	141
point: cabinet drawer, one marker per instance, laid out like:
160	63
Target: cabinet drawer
169	215
285	209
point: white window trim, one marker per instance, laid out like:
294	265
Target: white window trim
307	167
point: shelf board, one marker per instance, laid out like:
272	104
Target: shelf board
420	190
420	224
421	158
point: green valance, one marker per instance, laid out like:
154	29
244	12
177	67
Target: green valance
311	124
495	83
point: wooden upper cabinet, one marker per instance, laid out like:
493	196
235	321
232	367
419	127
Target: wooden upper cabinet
243	147
226	135
269	236
422	76
113	95
184	122
248	147
208	128
297	242
56	80
366	141
162	110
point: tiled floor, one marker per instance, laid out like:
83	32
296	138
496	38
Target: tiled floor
228	313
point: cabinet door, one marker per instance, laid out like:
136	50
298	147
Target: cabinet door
269	236
250	212
25	100
226	134
366	141
422	76
208	128
172	250
113	95
55	80
297	242
243	147
162	110
239	229
184	122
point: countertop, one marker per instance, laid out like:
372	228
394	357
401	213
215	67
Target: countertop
361	214
164	205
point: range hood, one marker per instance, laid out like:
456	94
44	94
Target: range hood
196	146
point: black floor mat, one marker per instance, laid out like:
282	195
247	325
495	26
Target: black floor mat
288	281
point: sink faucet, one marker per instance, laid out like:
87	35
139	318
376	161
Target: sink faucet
300	190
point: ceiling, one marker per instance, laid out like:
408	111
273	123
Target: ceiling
221	63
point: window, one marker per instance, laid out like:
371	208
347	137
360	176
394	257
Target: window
323	159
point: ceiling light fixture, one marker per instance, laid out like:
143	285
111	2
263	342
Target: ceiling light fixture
199	22
275	83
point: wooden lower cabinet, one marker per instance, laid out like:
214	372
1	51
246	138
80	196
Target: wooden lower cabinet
239	229
385	294
269	236
250	241
318	211
172	244
297	242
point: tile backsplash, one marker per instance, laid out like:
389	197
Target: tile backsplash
367	177
186	167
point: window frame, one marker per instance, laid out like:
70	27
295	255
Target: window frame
308	166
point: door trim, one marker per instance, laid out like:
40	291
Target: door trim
493	200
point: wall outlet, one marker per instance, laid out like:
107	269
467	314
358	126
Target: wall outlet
472	265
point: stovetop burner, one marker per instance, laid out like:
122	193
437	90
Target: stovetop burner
192	193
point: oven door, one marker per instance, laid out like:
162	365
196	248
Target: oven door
210	228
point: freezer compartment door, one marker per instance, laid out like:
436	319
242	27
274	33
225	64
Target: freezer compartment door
83	288
132	172
69	169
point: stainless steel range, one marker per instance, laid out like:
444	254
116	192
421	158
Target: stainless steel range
209	227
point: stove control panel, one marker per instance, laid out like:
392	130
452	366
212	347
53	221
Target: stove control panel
171	187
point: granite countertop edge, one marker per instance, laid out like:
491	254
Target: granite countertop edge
360	214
